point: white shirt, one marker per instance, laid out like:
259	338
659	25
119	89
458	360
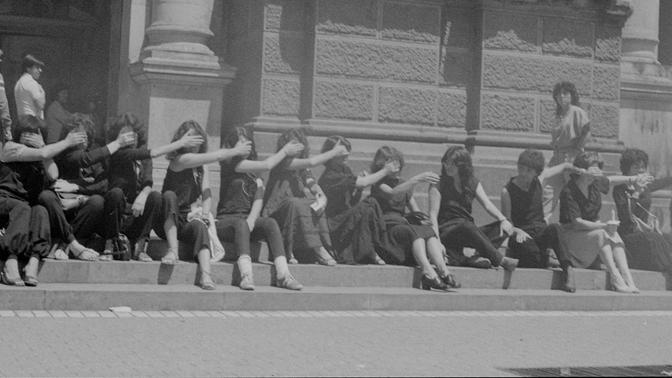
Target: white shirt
29	96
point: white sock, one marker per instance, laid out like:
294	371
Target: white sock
245	265
281	268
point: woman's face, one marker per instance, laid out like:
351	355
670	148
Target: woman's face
564	99
195	149
526	173
593	172
450	167
129	129
637	168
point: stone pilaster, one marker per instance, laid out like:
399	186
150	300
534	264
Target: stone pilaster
178	75
640	33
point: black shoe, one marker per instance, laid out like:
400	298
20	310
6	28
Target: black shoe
433	283
478	262
449	279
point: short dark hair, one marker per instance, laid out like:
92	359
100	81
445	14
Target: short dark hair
632	156
385	154
26	124
30	61
331	141
565	86
532	159
127	120
586	160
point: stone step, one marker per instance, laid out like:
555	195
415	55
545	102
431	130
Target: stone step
87	297
310	275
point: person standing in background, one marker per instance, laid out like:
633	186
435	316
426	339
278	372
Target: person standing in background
57	115
28	93
5	119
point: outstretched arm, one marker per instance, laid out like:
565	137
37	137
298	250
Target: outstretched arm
193	160
288	150
490	207
12	151
314	161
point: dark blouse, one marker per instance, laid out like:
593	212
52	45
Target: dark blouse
284	183
85	168
186	185
237	191
527	206
573	204
639	205
391	204
23	180
338	183
131	170
456	204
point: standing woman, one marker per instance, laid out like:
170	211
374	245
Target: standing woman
26	171
645	246
295	200
410	244
357	227
450	211
584	237
187	196
131	171
570	132
241	196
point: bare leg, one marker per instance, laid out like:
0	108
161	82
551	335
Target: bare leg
204	265
622	264
617	281
420	255
435	254
170	228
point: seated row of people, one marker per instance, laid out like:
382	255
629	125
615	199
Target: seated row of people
108	191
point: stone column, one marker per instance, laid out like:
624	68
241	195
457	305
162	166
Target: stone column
179	76
640	33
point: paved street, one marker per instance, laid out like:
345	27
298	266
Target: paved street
196	343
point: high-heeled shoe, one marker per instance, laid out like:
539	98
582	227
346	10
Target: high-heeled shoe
449	279
428	283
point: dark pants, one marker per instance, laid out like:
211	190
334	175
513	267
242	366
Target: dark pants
60	228
114	206
532	252
194	233
140	227
233	228
459	233
26	229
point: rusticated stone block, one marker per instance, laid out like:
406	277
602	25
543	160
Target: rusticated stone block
452	109
355	17
406	105
283	53
280	97
502	112
508	31
546	114
411	22
455	68
284	15
606	82
530	73
608	43
568	38
457	28
604	120
343	100
376	61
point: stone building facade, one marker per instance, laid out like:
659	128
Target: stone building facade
415	74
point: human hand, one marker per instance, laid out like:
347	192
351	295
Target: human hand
242	148
250	223
428	177
33	140
189	141
64	186
643	180
126	139
521	235
75	138
293	148
138	207
506	227
340	150
391	167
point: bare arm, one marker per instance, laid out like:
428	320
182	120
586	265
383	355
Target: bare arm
368	180
193	160
506	203
316	160
51	169
434	207
413	205
553	171
205	191
12	151
490	207
588	225
186	141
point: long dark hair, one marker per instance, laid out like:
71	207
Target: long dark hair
127	120
565	86
461	157
233	136
385	154
297	134
331	141
80	122
183	129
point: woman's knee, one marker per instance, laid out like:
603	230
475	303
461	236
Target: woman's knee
96	202
47	198
154	199
115	196
39	211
